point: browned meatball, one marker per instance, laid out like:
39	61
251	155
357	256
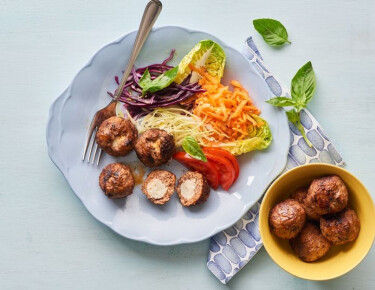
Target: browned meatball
310	245
155	147
116	136
159	186
326	195
116	180
300	196
340	228
192	188
287	218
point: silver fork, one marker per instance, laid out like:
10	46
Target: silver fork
150	15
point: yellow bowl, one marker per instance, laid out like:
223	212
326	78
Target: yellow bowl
340	259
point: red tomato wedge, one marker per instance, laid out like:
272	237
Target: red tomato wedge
226	170
227	155
206	168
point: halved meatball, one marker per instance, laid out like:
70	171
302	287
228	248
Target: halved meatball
300	196
326	195
159	186
192	188
116	136
340	228
287	218
310	244
116	180
155	147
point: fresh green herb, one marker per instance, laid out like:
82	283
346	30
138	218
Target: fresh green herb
303	86
145	81
272	31
294	117
303	89
281	102
191	146
161	82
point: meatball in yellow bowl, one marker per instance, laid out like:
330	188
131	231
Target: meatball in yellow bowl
339	228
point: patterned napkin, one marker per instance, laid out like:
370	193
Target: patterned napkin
233	248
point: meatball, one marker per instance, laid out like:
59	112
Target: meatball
287	218
192	188
326	195
116	136
300	196
310	244
340	228
155	147
159	186
116	180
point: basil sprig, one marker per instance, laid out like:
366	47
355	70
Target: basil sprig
294	117
191	146
272	31
303	89
161	82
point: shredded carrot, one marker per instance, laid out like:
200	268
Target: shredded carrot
227	111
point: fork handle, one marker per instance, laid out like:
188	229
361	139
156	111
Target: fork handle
150	15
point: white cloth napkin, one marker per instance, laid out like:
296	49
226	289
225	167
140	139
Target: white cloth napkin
233	248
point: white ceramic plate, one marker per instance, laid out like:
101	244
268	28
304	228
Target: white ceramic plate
135	217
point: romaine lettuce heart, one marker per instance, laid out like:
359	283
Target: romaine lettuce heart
206	53
259	138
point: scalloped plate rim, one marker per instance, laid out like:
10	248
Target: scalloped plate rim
66	94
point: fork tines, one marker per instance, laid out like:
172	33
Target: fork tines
90	142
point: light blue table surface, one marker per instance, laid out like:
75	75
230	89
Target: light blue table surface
47	238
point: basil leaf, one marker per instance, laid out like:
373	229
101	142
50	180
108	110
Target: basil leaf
145	80
272	31
191	146
303	86
281	102
294	117
161	82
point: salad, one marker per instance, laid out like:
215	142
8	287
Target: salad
212	122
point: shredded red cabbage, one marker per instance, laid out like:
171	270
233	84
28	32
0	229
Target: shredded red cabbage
138	105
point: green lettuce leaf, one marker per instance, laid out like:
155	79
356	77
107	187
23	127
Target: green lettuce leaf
259	139
206	53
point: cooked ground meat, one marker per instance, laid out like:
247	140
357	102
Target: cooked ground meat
300	196
340	228
310	244
116	180
287	218
326	195
116	136
159	186
192	188
155	147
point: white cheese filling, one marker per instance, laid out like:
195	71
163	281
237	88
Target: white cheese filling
156	188
117	142
188	188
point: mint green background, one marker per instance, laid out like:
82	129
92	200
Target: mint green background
47	238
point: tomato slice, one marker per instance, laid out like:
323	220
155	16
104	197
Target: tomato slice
206	168
227	155
225	168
